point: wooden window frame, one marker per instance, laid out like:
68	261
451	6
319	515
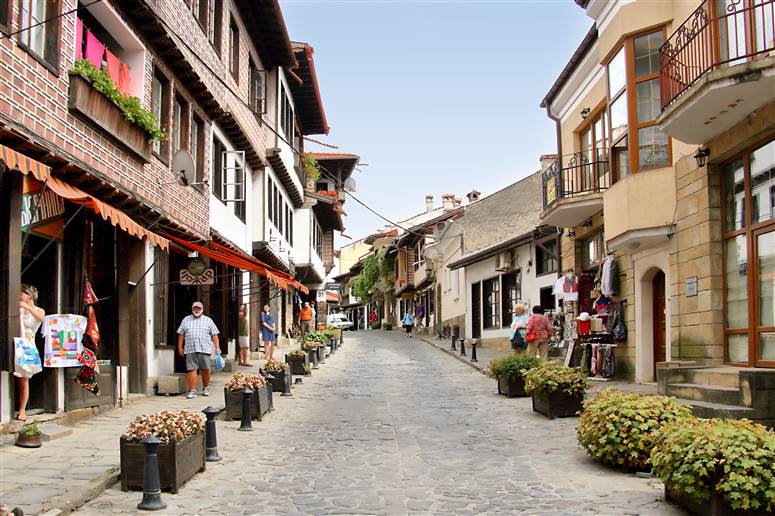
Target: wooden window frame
496	314
553	240
183	131
54	48
165	115
7	14
234	48
198	148
507	300
216	187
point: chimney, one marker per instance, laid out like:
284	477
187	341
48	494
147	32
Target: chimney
428	203
448	201
473	196
457	202
547	160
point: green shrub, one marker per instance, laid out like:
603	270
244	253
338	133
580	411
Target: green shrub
510	368
619	428
130	106
552	376
30	429
684	458
387	326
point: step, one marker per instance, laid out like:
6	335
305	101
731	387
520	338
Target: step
718	410
719	376
52	431
702	392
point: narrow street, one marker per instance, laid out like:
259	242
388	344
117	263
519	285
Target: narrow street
390	426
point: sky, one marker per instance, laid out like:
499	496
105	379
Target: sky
436	97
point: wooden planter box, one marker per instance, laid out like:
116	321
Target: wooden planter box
512	389
259	402
706	507
178	462
298	364
97	109
557	403
280	379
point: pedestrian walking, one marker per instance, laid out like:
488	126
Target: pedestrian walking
200	335
408	323
539	329
268	332
519	330
31	318
244	337
305	319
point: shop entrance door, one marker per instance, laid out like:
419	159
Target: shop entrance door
658	318
476	310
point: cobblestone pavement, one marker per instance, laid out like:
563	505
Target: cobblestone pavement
392	426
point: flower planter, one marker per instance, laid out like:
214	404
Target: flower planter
298	364
512	389
280	379
178	462
259	402
557	403
705	507
28	441
95	108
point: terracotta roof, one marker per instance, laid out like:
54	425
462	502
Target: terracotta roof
306	96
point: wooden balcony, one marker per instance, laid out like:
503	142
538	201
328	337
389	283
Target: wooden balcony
717	68
573	187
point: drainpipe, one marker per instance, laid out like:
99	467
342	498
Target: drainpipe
558	129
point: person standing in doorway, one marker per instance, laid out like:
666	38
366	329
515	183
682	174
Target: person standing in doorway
314	315
541	326
305	319
200	335
268	332
32	316
244	337
408	323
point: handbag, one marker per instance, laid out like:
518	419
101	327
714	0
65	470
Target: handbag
219	362
26	357
619	330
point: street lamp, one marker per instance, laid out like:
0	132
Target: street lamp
701	156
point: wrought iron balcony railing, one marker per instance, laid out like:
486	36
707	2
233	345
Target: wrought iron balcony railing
718	33
576	174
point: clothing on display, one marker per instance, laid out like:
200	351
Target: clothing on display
87	376
63	334
567	288
609	276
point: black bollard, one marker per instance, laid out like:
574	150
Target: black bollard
151	485
287	383
246	425
474	343
463	347
298	380
270	389
211	441
453	348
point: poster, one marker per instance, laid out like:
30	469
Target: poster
63	334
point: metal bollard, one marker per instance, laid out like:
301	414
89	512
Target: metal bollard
211	441
270	389
151	485
474	343
453	348
322	354
245	424
298	380
462	347
287	383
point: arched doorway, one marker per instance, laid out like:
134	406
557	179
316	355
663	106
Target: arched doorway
652	316
658	320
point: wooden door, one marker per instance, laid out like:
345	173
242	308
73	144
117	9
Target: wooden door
476	310
658	318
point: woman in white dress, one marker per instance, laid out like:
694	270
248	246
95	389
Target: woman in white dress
32	317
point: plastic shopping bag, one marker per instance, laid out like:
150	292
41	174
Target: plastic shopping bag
219	362
26	358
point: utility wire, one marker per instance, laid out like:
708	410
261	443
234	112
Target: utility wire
43	22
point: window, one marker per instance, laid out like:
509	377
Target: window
208	13
592	251
197	147
4	13
234	49
546	256
491	302
546	298
42	39
179	123
286	116
317	238
270	200
217	168
456	283
512	294
160	109
257	89
594	148
418	259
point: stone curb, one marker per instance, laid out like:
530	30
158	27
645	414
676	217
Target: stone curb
476	365
65	504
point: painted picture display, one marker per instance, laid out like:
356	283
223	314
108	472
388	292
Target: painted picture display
63	335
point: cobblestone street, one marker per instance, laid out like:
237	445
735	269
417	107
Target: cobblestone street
389	426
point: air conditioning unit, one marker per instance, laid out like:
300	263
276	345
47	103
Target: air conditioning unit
503	261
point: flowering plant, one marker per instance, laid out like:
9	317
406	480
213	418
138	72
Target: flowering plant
274	366
310	345
239	381
167	426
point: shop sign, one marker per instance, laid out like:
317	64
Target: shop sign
691	286
197	273
321	296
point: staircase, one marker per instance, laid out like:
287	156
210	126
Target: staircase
721	392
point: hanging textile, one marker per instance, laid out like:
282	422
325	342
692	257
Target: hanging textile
124	79
87	376
78	38
609	276
114	67
94	50
608	361
63	335
89	297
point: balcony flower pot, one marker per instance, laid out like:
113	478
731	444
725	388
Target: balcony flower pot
557	391
95	108
29	436
259	403
299	363
178	462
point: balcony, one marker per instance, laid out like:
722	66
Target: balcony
573	188
717	68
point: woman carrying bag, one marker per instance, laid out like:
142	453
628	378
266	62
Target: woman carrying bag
539	329
519	330
26	356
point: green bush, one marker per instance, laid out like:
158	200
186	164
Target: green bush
551	376
130	106
619	428
387	326
510	368
684	458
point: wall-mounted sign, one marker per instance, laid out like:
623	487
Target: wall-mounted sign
320	296
196	267
197	273
691	286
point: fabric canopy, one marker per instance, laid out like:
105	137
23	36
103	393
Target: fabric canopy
41	172
242	261
332	297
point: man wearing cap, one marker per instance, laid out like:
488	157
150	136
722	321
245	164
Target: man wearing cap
200	335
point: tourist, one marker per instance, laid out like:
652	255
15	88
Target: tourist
244	337
541	327
268	333
519	329
200	335
31	318
305	319
408	323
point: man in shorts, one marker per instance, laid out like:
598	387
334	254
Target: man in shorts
200	335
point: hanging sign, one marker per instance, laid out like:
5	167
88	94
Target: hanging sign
320	296
197	273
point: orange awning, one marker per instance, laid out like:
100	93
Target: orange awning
332	297
242	261
17	161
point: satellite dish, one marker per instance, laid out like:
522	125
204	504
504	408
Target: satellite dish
183	167
350	184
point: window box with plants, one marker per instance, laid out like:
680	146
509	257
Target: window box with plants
508	371
95	98
259	399
299	360
557	391
282	375
29	436
181	454
717	466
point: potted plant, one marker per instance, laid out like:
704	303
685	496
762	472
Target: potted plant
298	359
29	436
508	371
181	454
387	326
281	373
721	463
557	390
259	399
619	428
312	343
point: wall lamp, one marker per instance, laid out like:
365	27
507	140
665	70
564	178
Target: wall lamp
701	156
585	112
